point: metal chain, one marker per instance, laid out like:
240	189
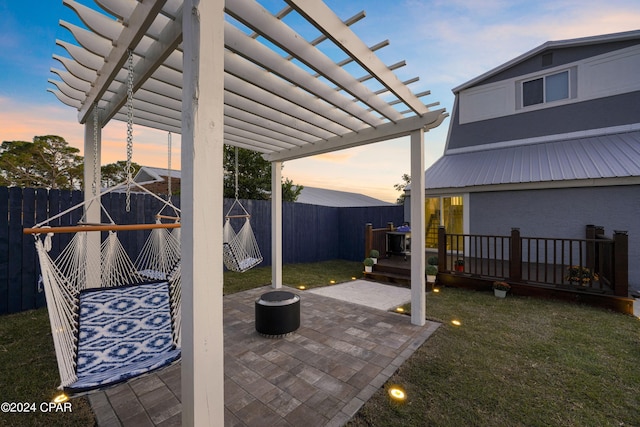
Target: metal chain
169	167
129	128
94	185
236	173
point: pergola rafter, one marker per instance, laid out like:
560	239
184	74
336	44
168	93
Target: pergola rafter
279	97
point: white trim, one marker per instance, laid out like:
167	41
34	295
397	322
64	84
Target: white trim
547	138
276	225
202	270
418	238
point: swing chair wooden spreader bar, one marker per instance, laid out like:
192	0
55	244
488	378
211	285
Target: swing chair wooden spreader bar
173	218
237	216
106	227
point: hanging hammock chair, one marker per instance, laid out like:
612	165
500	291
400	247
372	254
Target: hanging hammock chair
240	251
110	322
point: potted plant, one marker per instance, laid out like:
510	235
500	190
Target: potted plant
432	271
374	254
500	289
368	265
459	265
432	260
578	275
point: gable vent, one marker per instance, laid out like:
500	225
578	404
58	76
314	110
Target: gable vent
547	59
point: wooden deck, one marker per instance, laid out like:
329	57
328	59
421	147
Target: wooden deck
479	274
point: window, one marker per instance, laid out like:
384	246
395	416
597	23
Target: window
545	89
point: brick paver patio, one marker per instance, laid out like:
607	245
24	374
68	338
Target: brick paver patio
320	375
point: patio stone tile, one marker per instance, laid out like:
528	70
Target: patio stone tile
300	389
258	414
336	388
352	407
174	421
140	419
105	415
364	376
338	420
324	403
146	384
158	395
307	373
164	410
230	419
262	389
305	416
283	403
238	398
125	402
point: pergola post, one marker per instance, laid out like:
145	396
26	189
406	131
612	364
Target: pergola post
92	157
202	175
276	224
418	281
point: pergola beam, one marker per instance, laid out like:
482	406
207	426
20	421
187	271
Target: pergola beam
368	136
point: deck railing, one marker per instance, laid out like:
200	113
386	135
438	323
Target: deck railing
376	238
594	264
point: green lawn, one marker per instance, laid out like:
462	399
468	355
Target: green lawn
512	362
516	362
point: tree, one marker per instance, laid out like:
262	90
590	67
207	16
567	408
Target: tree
47	162
115	173
400	187
254	176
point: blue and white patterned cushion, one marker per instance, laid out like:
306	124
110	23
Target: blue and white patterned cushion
124	332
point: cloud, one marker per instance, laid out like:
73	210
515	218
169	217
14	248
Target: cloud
454	41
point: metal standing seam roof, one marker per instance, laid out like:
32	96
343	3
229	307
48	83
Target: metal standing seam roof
334	198
605	156
153	174
284	94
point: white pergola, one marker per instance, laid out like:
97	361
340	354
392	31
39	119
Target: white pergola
236	73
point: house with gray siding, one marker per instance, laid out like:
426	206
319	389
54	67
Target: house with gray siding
548	142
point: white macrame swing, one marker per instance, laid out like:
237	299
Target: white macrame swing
109	321
240	251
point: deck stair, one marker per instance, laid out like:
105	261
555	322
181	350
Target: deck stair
392	270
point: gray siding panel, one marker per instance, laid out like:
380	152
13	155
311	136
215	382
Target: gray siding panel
560	56
598	113
561	213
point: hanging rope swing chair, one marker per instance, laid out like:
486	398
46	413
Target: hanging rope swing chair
240	250
109	320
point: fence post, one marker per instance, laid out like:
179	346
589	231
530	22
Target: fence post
620	263
442	249
368	239
515	255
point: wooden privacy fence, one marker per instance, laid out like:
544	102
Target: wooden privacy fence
310	233
594	264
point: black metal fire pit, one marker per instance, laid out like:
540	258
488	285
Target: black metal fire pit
277	313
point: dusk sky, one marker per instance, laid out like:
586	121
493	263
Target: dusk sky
445	43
